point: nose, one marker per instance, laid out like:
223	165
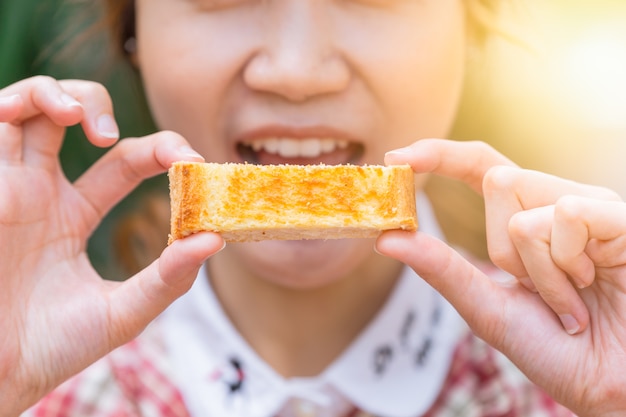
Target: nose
299	58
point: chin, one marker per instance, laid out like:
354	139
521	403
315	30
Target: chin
305	264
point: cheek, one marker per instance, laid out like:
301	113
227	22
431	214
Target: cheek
186	99
186	74
419	78
174	84
428	84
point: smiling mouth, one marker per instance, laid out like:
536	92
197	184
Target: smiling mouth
306	151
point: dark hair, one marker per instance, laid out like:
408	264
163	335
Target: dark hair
119	17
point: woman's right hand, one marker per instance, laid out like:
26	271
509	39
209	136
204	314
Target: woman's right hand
57	315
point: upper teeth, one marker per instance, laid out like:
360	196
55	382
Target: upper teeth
293	148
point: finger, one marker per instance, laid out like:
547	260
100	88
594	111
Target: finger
464	161
42	95
608	253
512	320
531	233
10	107
451	275
508	190
98	121
140	299
536	189
583	226
120	170
10	143
65	103
48	106
11	135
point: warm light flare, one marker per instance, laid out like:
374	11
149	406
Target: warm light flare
557	103
593	69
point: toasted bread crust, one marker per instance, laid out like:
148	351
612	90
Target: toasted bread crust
246	203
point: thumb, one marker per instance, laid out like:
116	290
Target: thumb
478	299
140	299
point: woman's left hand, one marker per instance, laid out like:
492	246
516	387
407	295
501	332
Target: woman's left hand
563	323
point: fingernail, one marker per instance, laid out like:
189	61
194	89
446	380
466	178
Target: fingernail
581	283
570	324
399	151
189	153
69	100
107	127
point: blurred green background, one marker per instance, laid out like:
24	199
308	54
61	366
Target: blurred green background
56	38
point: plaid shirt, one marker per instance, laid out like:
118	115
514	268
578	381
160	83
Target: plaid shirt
136	381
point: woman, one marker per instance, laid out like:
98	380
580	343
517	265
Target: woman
279	328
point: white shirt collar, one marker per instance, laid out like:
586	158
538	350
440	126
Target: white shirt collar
394	368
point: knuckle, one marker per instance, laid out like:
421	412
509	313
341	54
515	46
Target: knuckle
608	194
487	153
42	80
480	146
125	150
504	257
41	86
94	88
499	255
168	136
86	88
525	227
569	208
499	177
599	193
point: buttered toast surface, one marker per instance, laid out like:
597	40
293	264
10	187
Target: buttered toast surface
246	202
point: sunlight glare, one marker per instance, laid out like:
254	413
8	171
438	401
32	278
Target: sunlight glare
594	74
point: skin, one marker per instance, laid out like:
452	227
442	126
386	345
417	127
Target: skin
554	235
294	71
58	316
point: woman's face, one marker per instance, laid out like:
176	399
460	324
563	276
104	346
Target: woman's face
302	81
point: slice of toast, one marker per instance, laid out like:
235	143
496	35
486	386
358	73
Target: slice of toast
246	203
